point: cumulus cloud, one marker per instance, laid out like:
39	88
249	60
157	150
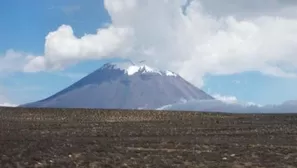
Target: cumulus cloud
13	61
34	64
193	38
62	47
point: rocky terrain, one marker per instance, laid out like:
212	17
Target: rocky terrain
118	138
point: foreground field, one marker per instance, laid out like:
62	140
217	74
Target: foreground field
111	138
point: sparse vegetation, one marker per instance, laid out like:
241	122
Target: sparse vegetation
122	138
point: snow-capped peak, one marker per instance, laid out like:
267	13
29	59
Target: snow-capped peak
141	68
131	69
169	73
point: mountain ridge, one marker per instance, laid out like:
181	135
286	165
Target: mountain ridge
124	86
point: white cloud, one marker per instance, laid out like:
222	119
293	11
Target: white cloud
63	48
226	99
35	64
253	104
13	61
233	100
7	105
191	42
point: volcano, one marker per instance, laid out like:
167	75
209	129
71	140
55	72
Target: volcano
124	86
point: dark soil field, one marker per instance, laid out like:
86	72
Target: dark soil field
115	138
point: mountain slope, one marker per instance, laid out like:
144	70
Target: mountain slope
124	86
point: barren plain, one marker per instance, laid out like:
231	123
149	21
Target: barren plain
121	138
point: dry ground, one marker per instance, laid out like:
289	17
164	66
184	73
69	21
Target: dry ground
113	138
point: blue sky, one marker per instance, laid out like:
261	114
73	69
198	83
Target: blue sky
26	26
27	23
